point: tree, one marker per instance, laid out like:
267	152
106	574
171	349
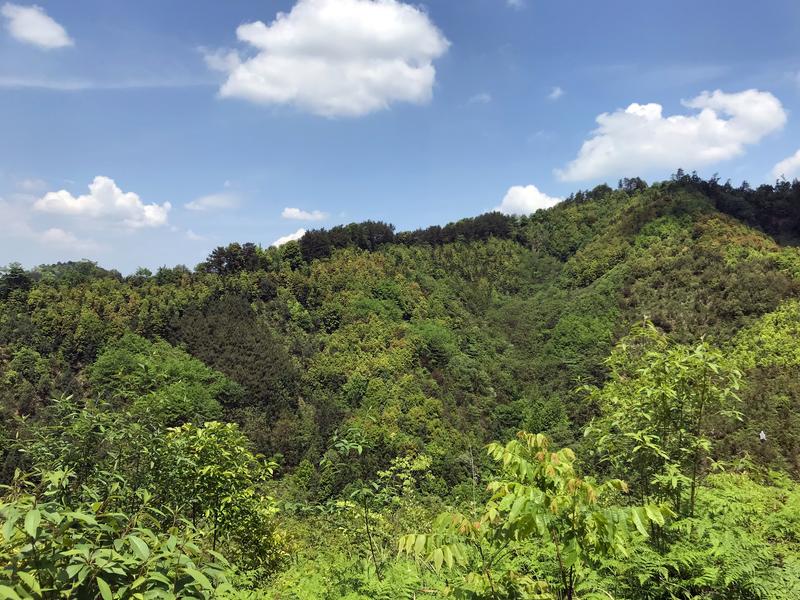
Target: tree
210	472
658	411
14	277
162	383
55	543
541	499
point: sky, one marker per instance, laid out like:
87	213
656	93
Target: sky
141	134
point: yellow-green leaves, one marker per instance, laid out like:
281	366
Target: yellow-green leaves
32	520
139	547
105	589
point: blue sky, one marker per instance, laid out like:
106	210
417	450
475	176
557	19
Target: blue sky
197	126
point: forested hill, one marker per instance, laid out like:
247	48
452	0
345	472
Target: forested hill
356	348
439	337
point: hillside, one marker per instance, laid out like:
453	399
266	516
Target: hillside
371	368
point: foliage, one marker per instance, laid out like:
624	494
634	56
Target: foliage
540	497
371	364
212	476
59	542
741	545
160	382
658	411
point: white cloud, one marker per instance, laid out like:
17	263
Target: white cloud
640	138
191	235
32	25
524	200
212	202
335	57
303	215
482	98
82	85
14	223
516	3
106	203
788	167
289	238
31	185
555	93
55	236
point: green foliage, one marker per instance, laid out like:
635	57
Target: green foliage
540	498
159	382
658	410
742	544
61	543
211	475
370	364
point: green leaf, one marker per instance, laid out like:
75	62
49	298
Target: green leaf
30	581
654	513
448	557
32	520
199	578
637	520
7	593
72	570
139	547
105	590
438	558
8	526
516	508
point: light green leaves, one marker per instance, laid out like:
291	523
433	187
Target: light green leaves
105	590
32	520
139	547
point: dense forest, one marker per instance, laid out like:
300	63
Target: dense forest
599	400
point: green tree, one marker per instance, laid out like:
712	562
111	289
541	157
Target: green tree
56	543
540	499
658	411
210	473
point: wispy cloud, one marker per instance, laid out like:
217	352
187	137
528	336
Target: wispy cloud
81	85
298	214
15	223
105	204
640	138
555	93
212	202
788	167
481	98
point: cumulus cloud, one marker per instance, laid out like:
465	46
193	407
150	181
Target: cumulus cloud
788	167
524	200
303	215
639	138
223	201
555	93
107	203
335	57
289	238
32	25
